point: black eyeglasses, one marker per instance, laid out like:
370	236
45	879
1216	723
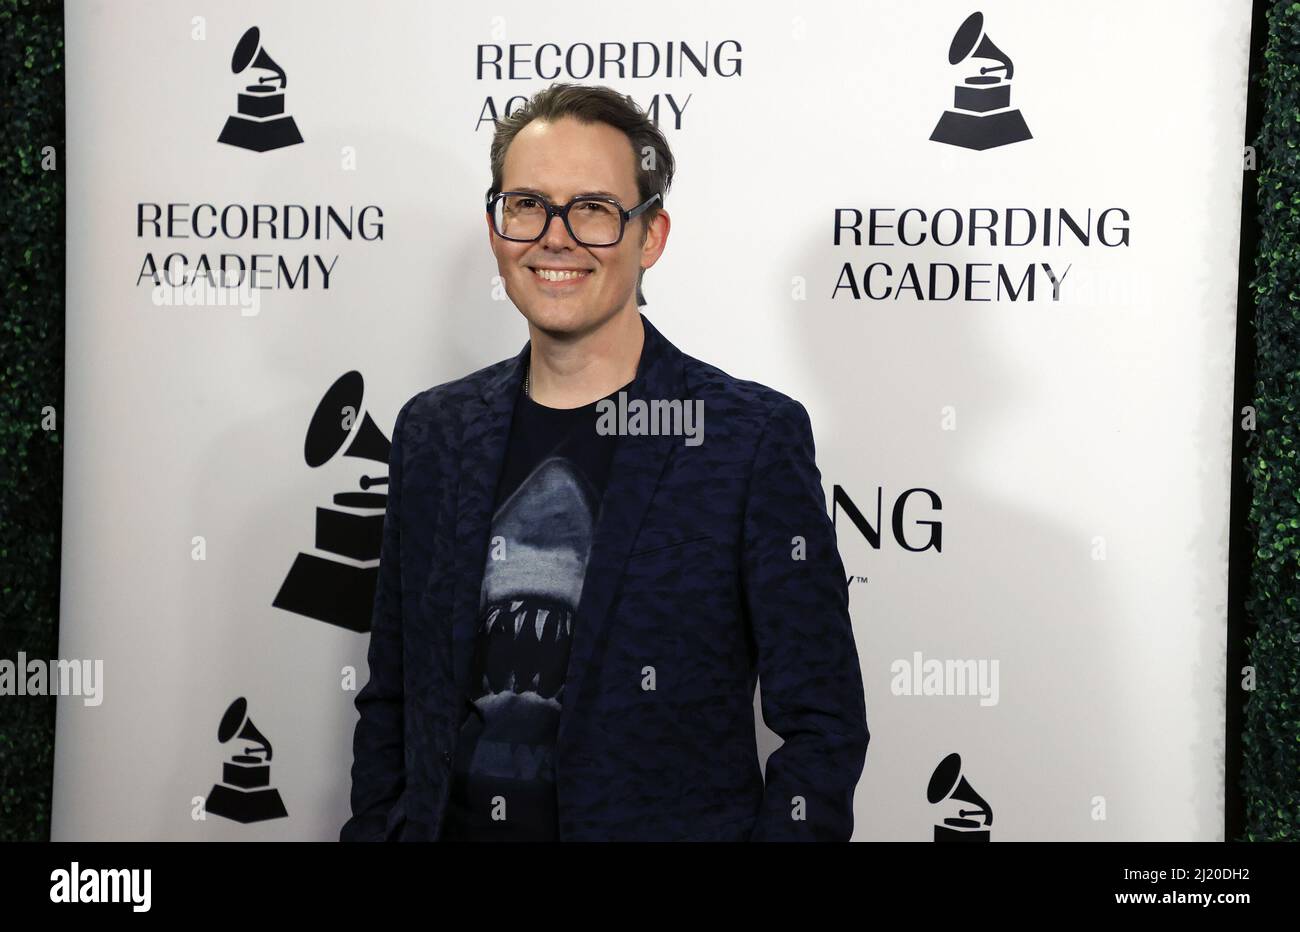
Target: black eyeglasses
592	219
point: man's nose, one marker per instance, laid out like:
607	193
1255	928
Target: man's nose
557	235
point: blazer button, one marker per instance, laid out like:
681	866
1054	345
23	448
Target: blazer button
446	757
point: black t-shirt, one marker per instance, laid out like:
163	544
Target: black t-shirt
547	506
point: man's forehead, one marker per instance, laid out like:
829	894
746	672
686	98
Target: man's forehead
561	193
544	159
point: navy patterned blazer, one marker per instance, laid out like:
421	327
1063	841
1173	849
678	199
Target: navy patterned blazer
694	586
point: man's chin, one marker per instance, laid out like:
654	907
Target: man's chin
560	321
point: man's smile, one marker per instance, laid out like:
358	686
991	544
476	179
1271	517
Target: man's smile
559	278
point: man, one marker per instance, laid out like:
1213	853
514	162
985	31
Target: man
572	611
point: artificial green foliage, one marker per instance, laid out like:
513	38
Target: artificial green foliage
31	356
1271	732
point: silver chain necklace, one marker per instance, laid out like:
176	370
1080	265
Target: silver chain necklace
527	394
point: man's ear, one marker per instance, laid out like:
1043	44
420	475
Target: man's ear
654	237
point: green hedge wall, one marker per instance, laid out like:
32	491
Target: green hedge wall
31	334
1271	733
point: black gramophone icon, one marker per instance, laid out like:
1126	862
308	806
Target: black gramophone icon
261	124
947	783
325	587
982	118
245	793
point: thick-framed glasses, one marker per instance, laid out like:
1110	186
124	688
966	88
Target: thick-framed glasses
592	219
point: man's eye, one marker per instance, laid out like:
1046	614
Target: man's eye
526	203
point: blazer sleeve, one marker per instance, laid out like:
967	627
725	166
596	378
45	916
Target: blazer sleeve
797	603
378	752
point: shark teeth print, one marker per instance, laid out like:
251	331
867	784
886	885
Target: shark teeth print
526	646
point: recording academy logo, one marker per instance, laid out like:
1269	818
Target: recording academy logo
983	117
261	123
947	785
338	584
245	793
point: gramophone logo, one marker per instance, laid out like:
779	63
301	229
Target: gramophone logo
245	793
983	117
947	785
261	124
338	584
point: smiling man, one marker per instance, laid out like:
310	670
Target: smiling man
570	620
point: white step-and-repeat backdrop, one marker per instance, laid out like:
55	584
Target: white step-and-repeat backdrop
994	255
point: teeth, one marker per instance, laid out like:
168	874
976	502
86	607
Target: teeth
551	275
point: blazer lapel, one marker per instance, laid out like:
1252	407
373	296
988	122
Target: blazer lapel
637	465
482	459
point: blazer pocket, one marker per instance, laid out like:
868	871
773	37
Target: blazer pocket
651	545
662	581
